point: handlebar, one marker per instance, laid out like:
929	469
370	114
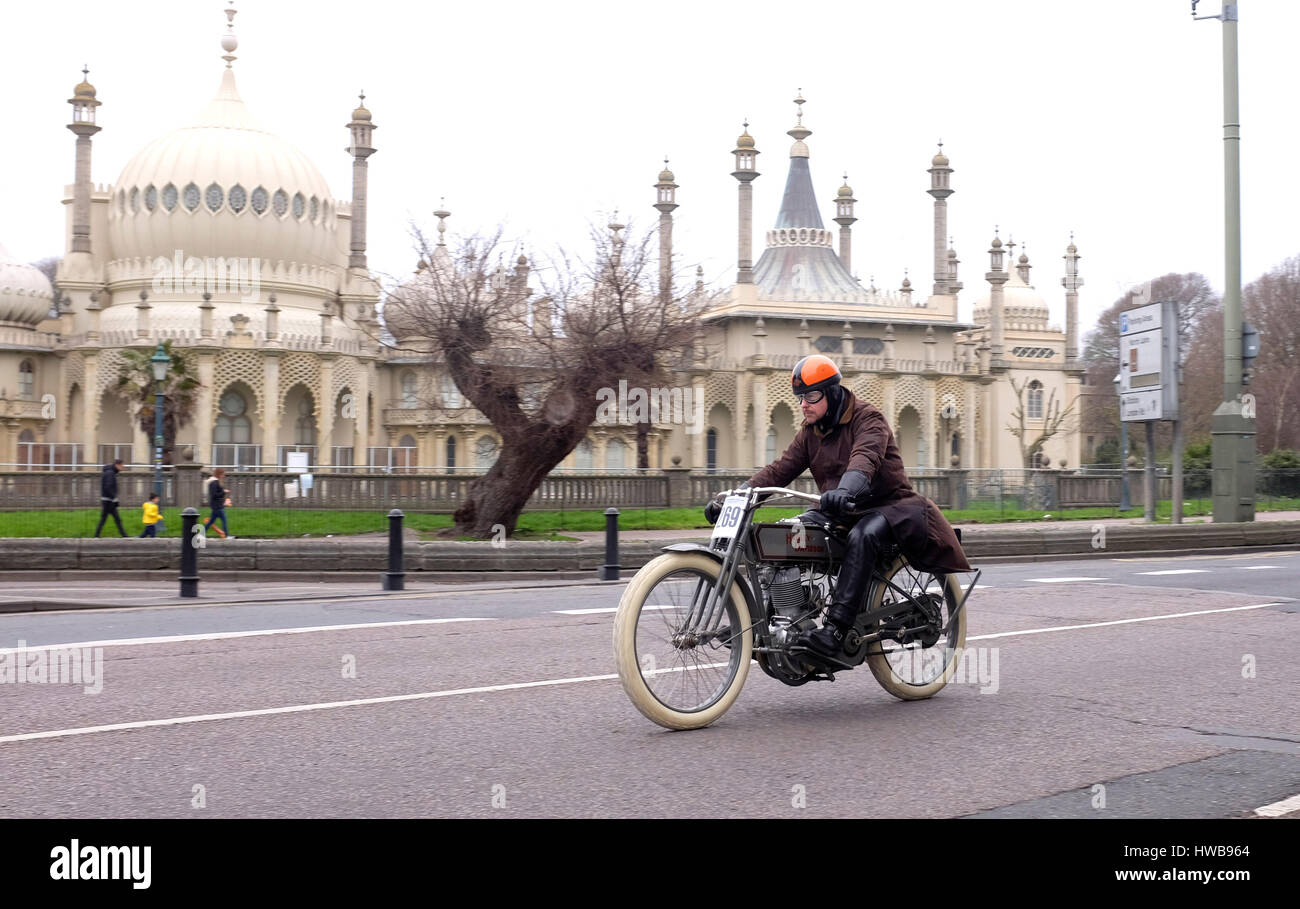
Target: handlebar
776	490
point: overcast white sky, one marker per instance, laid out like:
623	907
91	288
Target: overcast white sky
1104	118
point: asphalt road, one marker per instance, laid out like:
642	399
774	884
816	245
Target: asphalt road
1138	692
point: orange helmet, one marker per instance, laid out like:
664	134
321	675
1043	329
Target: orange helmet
814	373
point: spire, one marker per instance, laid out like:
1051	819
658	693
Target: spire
229	42
799	132
799	204
442	215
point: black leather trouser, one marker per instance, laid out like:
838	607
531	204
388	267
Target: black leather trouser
866	540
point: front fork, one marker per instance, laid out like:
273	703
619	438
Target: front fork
707	609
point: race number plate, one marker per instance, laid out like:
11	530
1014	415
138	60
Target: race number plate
732	509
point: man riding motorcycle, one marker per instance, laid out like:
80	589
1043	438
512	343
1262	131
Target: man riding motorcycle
850	450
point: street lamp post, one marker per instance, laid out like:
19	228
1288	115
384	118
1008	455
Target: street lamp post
1123	454
1233	425
160	363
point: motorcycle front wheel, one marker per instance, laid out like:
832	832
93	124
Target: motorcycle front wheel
920	667
678	679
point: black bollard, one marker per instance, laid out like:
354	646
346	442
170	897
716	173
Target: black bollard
190	552
609	571
394	577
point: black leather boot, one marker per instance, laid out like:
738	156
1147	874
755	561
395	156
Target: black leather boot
829	639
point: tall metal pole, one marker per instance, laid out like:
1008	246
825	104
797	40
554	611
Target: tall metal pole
1233	453
158	440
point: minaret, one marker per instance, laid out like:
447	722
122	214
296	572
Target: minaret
939	171
362	129
844	218
1071	282
954	285
83	103
1022	264
667	196
746	173
996	277
905	290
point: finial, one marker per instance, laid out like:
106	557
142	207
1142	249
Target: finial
228	41
85	72
442	215
799	101
746	122
941	146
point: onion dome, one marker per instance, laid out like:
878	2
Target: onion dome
26	295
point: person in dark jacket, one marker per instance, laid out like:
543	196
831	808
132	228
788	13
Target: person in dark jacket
850	450
108	496
218	498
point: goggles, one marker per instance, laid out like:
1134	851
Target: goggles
812	397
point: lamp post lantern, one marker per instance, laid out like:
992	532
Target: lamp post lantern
160	363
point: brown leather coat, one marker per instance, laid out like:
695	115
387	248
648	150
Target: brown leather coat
862	440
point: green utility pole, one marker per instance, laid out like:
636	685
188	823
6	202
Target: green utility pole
1233	426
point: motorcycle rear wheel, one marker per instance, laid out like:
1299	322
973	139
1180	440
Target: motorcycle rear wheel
672	683
911	672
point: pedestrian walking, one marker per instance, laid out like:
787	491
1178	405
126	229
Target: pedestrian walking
152	519
218	500
108	496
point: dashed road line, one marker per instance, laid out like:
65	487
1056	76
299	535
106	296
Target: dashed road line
1178	571
222	635
1063	580
1277	809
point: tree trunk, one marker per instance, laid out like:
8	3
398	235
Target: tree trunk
494	500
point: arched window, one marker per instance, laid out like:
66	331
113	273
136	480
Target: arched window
406	441
582	455
451	451
450	393
771	445
711	449
305	428
615	454
1035	407
233	426
409	401
26	380
486	453
26	436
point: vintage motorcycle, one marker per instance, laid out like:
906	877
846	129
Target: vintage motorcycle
691	620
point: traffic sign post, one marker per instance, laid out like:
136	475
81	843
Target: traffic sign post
1148	382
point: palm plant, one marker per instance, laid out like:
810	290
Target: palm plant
136	386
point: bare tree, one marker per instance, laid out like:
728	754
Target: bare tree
1032	440
1272	304
537	365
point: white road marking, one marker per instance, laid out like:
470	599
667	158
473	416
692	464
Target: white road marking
1179	571
1148	618
489	689
1277	809
601	609
1063	580
221	635
1255	567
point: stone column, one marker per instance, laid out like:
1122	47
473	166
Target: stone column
141	441
361	426
270	408
439	459
968	427
90	409
926	451
761	420
205	410
699	454
325	414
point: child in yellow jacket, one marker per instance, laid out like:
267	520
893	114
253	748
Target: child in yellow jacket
151	516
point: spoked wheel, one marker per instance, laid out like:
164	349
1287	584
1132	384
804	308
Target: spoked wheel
922	662
679	678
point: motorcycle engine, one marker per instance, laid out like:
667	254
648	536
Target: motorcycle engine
792	597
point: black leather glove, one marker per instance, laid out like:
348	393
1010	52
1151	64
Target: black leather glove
843	498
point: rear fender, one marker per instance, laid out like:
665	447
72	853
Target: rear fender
756	616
